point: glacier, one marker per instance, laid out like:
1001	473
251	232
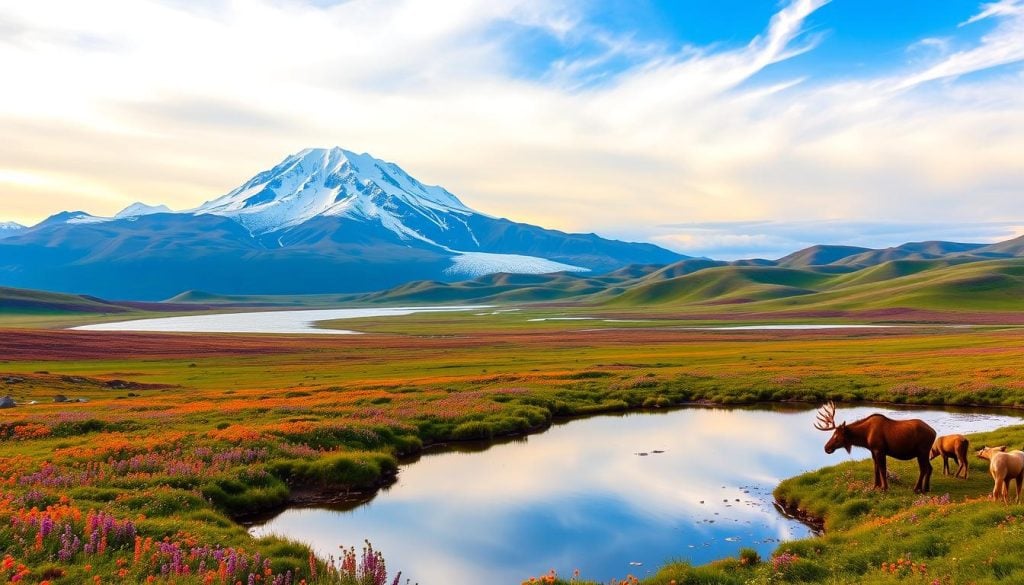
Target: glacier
473	264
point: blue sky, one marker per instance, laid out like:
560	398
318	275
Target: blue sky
850	37
874	121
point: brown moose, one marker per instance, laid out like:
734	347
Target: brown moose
953	447
884	437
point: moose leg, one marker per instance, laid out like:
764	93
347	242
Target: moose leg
963	465
881	481
927	464
1019	479
945	464
924	477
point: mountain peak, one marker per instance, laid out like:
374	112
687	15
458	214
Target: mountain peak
9	228
332	182
137	209
72	217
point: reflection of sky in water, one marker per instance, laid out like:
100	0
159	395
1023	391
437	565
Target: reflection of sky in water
279	322
579	496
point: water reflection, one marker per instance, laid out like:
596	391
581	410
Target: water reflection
280	322
594	494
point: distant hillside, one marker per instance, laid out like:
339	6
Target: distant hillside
721	285
505	288
996	285
910	251
1009	248
955	283
945	276
819	255
852	256
215	300
15	300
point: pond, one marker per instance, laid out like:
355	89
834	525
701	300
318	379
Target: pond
279	322
609	495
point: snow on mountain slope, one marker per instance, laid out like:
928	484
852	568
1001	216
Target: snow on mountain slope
320	221
334	182
71	217
139	209
475	264
9	228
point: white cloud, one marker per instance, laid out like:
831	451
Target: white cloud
1003	45
774	239
167	102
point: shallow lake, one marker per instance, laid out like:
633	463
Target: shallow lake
286	322
595	494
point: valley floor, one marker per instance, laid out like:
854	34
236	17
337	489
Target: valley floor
179	435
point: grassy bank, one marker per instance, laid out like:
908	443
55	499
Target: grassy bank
953	535
181	434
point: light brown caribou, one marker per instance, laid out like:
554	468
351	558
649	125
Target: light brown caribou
1004	465
884	437
953	447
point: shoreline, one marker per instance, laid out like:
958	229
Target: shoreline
342	498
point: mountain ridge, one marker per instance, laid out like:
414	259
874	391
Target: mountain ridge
320	221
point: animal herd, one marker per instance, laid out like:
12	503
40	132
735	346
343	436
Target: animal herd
915	439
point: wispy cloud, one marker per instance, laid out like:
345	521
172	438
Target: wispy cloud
176	102
1002	46
731	240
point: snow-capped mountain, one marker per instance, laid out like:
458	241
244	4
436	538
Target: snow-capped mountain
9	228
69	217
322	220
140	209
334	183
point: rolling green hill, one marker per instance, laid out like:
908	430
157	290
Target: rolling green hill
722	285
21	301
294	301
935	276
947	284
911	251
820	255
1014	247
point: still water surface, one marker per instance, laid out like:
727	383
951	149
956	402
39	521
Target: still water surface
581	495
279	322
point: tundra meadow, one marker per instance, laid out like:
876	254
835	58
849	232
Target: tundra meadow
134	456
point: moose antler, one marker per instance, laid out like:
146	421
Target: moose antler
826	417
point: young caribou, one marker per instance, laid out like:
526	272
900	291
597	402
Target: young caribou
1004	465
953	447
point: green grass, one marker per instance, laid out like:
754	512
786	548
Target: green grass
954	535
926	284
338	412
